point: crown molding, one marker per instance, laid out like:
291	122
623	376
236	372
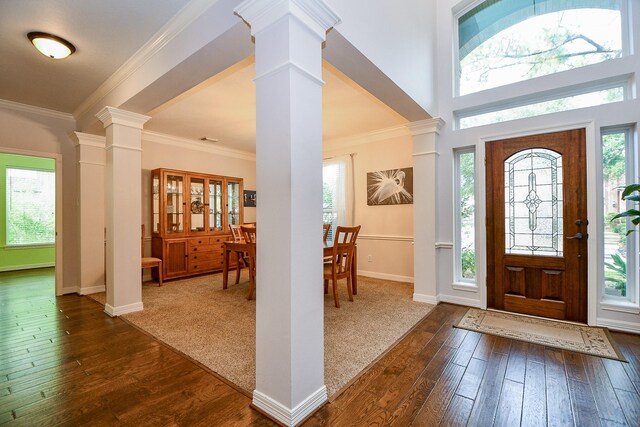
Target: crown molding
26	108
193	10
366	137
197	145
88	139
111	115
426	126
315	14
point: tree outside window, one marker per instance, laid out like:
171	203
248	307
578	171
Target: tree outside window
30	200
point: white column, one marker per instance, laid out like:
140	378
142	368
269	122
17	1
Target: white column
91	155
290	309
425	208
123	209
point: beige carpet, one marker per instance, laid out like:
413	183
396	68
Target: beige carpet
217	328
567	336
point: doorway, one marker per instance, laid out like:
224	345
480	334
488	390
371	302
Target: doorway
537	225
31	208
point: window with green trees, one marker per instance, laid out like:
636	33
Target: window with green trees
507	41
465	215
30	206
620	254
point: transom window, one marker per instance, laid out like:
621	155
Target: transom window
506	41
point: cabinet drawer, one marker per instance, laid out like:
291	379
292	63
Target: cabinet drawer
218	247
205	256
195	266
209	240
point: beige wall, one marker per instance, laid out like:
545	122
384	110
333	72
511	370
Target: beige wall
189	157
387	231
43	133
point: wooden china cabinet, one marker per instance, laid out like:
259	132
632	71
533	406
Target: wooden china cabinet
190	217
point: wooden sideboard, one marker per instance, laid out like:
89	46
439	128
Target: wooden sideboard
190	214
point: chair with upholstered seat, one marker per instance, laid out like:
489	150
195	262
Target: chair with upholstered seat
249	236
339	266
151	262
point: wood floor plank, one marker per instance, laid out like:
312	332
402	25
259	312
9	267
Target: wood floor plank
558	401
583	404
434	408
486	404
618	376
574	366
510	404
471	379
458	412
534	401
484	347
516	365
609	409
468	346
630	403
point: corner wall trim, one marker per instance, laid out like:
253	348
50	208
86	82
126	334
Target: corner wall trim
28	266
469	302
429	299
385	276
91	290
123	309
287	416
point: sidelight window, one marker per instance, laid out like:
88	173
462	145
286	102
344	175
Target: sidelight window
465	250
620	257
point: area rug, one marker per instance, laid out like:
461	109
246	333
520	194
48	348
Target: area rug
563	335
217	327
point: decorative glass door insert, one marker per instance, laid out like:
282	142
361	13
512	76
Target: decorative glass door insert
233	202
175	204
197	207
215	205
533	203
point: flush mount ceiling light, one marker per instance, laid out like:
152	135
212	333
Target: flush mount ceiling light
52	46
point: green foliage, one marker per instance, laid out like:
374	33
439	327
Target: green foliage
468	263
631	192
613	162
467	185
24	228
618	225
615	274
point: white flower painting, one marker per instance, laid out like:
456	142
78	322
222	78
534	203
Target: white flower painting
390	187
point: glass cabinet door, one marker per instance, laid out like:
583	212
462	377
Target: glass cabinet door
155	203
233	202
175	204
215	205
196	205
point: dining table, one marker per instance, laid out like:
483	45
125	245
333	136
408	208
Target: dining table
240	246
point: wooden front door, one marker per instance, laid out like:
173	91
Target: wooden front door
537	225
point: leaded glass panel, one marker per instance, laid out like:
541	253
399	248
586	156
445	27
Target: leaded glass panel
533	203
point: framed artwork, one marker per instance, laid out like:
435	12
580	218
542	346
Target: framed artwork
390	187
249	199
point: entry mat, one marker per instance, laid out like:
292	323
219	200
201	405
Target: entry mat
567	336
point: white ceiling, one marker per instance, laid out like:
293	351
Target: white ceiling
107	33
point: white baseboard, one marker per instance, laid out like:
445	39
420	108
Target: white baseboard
123	309
460	300
28	266
429	299
385	276
91	290
287	416
619	325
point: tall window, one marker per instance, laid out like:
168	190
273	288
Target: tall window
620	253
30	206
506	41
337	192
465	250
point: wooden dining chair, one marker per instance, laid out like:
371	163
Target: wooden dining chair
249	236
325	231
242	258
150	262
339	267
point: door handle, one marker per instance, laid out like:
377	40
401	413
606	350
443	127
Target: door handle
578	236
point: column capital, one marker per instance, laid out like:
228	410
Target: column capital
111	115
426	126
315	14
87	139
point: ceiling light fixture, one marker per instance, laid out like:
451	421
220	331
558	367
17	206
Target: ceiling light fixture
52	46
206	138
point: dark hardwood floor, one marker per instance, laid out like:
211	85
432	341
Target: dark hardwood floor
64	362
